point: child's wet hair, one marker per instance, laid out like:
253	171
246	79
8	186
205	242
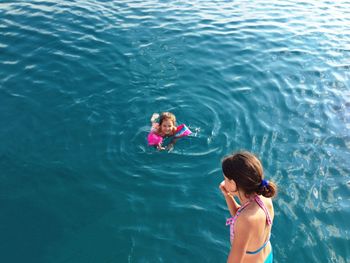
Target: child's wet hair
247	172
167	116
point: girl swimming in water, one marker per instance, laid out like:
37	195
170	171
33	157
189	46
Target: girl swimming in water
251	220
163	126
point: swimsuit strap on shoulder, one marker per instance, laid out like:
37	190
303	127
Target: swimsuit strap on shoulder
268	221
231	221
263	207
240	210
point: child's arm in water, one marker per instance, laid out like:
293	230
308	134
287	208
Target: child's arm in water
160	147
171	144
169	147
154	118
232	205
154	122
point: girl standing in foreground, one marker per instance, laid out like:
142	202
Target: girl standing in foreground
251	221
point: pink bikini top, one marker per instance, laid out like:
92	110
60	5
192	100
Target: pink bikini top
231	221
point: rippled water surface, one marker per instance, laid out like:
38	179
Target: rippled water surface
79	81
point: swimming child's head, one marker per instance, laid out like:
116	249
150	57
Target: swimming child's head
167	123
245	172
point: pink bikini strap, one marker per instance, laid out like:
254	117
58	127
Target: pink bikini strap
241	209
234	218
231	221
263	207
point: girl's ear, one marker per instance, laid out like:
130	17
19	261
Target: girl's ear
233	186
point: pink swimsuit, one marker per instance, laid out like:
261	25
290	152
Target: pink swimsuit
231	221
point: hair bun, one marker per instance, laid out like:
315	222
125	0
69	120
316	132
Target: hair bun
267	189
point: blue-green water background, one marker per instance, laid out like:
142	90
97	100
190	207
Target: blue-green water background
79	81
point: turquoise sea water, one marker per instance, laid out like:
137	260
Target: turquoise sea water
79	81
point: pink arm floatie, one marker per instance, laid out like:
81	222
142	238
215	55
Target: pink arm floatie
182	131
154	139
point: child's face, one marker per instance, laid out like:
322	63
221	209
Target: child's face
167	127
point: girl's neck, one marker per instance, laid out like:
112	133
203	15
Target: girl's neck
164	135
243	199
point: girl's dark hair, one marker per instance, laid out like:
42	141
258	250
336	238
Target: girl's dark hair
247	172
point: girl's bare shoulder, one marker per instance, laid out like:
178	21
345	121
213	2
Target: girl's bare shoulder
268	204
